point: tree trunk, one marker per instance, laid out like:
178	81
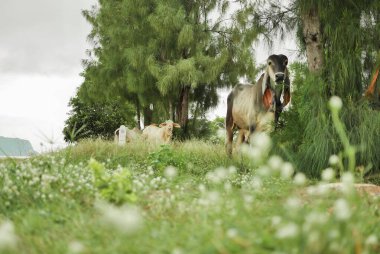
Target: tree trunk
148	116
185	107
138	113
313	38
171	111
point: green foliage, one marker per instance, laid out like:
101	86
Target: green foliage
212	198
96	120
43	180
114	187
147	51
308	137
164	157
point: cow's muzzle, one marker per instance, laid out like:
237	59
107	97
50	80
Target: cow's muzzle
279	77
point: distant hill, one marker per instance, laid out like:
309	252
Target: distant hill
15	147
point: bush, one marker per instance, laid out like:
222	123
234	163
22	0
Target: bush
113	186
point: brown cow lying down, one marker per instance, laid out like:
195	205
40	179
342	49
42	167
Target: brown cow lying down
160	135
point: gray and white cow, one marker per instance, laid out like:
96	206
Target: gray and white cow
254	107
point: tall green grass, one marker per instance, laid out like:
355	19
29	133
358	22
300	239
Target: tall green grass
308	137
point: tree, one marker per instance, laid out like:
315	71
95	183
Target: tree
338	40
96	120
161	52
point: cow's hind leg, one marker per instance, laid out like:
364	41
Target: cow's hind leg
240	139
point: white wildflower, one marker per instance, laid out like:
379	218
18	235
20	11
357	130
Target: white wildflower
75	247
262	141
248	199
347	178
293	203
264	171
334	160
276	220
348	183
289	230
8	238
333	234
253	152
170	172
232	170
227	187
127	218
232	233
201	187
256	183
287	170
328	174
275	162
177	251
371	240
335	102
299	179
342	210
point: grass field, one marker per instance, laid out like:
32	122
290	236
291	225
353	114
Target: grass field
97	197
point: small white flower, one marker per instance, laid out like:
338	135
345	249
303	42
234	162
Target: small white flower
8	238
299	179
334	160
276	220
371	240
253	152
256	183
170	172
202	188
347	178
264	171
289	230
177	251
75	247
232	233
262	141
342	210
227	187
127	218
335	102
293	203
287	170
348	183
275	162
328	174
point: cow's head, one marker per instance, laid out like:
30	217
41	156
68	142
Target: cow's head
276	81
169	125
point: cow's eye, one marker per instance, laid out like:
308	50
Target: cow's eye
269	62
286	62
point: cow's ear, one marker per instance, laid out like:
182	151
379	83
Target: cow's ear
267	98
162	124
286	92
286	98
176	125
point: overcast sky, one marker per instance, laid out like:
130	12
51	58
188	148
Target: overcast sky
41	47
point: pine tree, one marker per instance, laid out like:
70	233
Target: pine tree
160	52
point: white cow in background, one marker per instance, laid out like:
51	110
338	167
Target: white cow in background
123	135
160	135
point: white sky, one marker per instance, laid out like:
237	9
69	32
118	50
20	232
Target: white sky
41	47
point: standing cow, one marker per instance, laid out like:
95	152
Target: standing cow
253	107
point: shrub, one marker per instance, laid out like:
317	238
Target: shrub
113	186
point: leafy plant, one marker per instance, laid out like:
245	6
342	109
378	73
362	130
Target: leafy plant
165	157
115	187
